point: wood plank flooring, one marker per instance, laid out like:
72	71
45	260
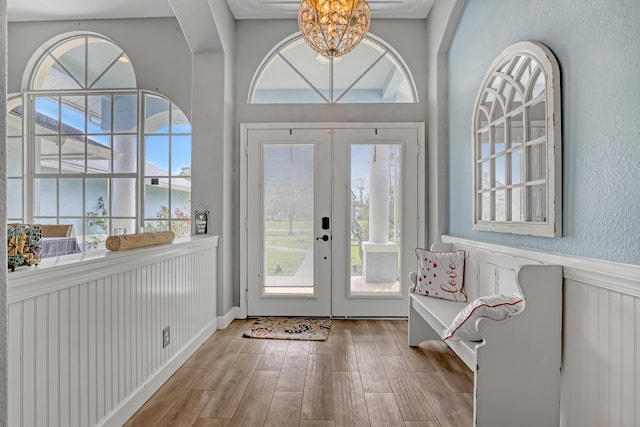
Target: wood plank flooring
363	375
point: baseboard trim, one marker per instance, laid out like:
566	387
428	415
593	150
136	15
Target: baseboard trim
224	321
130	405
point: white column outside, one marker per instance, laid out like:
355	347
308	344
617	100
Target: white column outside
379	194
123	195
380	257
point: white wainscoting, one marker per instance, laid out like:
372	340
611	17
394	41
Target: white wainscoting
85	332
601	336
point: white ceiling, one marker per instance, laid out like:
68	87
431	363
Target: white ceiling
48	10
259	9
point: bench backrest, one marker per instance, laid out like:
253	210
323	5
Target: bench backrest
487	273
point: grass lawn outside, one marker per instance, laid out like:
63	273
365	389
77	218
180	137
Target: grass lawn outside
276	235
284	225
289	262
355	258
283	240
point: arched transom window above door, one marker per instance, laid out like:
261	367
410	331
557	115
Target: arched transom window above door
293	73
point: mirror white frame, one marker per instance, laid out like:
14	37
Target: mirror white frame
517	144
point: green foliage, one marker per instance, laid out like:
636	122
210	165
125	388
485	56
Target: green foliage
163	216
356	261
185	172
97	219
290	201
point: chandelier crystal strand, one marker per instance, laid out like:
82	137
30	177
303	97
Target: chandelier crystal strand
334	27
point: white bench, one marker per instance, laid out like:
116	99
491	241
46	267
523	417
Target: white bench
517	365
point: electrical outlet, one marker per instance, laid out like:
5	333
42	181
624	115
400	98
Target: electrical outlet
166	337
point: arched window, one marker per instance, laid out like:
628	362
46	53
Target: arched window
293	73
517	144
103	155
84	62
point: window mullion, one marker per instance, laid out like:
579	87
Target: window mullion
141	156
27	146
59	99
331	63
86	62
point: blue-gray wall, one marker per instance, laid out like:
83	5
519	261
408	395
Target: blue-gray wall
597	44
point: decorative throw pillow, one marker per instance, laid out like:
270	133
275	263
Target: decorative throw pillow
441	274
496	307
23	245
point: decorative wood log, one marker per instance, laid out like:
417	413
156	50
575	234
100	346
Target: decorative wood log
141	240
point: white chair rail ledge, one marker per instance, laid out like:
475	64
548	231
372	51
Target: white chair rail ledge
517	365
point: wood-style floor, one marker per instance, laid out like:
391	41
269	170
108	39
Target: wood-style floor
363	375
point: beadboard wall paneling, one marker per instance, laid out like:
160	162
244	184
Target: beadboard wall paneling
86	354
602	374
600	383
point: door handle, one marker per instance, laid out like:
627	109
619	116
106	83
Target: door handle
325	238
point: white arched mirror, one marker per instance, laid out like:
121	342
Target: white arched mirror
517	144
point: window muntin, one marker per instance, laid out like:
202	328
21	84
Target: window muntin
84	146
293	73
516	137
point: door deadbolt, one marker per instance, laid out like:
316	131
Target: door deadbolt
325	223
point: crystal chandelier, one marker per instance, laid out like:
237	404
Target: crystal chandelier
333	27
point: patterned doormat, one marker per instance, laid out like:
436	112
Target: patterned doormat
290	329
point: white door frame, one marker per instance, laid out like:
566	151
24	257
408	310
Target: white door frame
318	280
244	131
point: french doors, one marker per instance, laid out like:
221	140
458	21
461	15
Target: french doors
332	215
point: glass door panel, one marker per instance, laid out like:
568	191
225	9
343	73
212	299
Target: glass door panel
377	196
288	172
288	193
376	218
